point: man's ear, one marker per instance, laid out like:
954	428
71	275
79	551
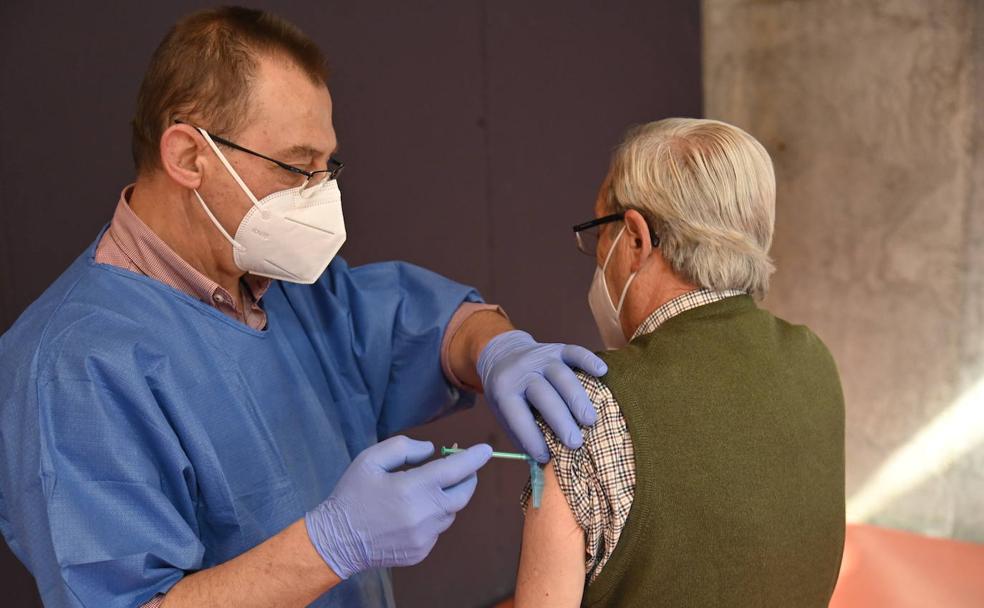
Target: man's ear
181	151
640	243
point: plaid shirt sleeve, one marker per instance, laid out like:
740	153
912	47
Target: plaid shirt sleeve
597	479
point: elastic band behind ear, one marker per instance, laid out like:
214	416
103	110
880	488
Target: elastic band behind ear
228	167
231	240
612	248
625	292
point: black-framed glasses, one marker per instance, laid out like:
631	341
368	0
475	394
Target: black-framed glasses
587	234
313	179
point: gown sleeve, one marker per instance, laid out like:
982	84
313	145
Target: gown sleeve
118	490
399	313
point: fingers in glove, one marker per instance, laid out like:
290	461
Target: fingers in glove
584	359
571	390
396	452
519	419
457	496
447	472
544	397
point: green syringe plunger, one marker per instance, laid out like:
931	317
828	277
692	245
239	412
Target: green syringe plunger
508	455
536	471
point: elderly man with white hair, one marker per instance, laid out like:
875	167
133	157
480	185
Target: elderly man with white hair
715	473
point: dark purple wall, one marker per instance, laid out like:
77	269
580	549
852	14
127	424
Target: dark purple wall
474	133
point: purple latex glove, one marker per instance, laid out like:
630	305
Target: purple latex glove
377	518
516	369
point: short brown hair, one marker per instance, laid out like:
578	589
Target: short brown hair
203	71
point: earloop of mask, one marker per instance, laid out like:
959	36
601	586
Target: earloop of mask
625	290
611	250
228	167
215	221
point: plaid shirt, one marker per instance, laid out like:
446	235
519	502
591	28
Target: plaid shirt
598	479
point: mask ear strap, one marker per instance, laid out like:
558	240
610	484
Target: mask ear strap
229	168
231	240
625	292
611	249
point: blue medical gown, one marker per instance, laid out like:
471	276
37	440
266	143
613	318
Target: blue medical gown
145	435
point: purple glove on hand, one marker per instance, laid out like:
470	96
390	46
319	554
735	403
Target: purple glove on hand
376	518
515	368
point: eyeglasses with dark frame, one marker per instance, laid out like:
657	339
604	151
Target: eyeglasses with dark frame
587	234
313	179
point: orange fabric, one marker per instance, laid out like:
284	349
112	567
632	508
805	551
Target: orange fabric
894	569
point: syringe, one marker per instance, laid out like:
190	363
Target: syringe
536	471
510	455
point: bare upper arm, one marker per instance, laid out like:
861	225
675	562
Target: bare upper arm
551	565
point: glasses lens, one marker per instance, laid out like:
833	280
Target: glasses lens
335	167
587	240
317	179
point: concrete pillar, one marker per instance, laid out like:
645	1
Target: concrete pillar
872	111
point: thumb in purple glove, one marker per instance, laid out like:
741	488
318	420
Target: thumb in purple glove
377	518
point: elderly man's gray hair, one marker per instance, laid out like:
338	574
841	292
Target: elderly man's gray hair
708	190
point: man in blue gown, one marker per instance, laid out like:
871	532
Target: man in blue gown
201	410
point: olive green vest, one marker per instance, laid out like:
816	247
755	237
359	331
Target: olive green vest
737	423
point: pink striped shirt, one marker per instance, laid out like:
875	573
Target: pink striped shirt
130	244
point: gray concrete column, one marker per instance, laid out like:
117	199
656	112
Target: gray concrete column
872	111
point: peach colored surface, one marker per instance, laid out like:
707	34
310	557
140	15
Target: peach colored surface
894	569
